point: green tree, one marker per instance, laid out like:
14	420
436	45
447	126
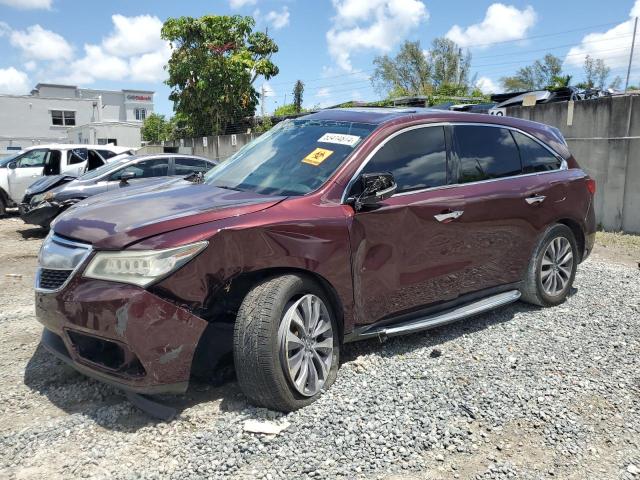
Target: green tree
214	64
416	72
542	74
450	64
596	73
155	129
298	92
286	109
409	73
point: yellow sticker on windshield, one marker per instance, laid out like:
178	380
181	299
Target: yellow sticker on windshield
318	156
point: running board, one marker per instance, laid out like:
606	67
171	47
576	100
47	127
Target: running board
432	321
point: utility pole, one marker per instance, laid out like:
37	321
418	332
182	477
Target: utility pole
262	95
633	43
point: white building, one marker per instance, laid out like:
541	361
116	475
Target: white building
68	114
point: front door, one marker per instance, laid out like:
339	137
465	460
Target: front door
403	257
28	168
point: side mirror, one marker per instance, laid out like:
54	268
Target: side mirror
375	188
127	176
12	165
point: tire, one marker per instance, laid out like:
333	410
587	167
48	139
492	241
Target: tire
538	283
3	207
261	346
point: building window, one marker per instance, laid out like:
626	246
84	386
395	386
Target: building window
63	118
141	113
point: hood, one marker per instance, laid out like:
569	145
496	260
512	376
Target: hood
116	220
44	184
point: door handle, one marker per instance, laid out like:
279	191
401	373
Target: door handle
535	199
448	216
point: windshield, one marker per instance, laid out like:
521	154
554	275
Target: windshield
293	158
107	167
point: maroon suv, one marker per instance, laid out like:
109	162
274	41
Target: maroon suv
338	226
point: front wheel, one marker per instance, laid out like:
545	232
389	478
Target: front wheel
552	268
286	343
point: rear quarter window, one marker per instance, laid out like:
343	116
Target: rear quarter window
535	157
485	153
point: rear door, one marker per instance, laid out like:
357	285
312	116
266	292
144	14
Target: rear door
76	161
403	258
500	220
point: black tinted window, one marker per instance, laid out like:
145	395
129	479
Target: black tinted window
187	166
417	159
485	152
77	155
106	154
535	157
158	167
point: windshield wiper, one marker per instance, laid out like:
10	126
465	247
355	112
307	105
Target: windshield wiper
235	189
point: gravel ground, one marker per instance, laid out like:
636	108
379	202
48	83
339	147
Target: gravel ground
520	392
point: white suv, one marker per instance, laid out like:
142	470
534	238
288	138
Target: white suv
26	167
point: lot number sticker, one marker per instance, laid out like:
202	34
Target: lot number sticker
340	139
316	157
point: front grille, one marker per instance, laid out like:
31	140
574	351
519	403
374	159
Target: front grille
52	279
58	259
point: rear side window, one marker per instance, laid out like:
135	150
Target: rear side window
535	158
417	159
77	155
106	154
187	166
485	152
158	167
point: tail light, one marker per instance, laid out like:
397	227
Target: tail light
591	185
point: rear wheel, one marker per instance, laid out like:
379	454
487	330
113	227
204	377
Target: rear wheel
552	268
3	207
286	345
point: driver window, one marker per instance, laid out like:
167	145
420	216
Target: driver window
417	159
145	169
52	165
33	158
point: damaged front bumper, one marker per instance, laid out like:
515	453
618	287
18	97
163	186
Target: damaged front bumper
120	334
44	212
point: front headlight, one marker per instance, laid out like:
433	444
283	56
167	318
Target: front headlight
142	267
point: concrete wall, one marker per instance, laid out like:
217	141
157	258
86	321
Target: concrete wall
604	136
218	148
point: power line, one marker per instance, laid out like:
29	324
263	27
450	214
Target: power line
532	37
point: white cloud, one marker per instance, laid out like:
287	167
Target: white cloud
323	92
486	85
134	36
28	4
30	66
611	46
40	44
241	3
278	19
96	64
150	66
501	23
371	24
14	81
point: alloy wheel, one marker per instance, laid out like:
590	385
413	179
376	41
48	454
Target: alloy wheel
306	344
556	267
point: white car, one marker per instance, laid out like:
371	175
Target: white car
24	168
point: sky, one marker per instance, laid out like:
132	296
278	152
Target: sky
328	44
